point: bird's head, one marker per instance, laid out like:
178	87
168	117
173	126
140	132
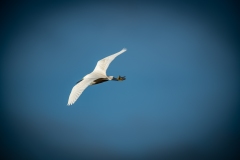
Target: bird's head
121	78
118	79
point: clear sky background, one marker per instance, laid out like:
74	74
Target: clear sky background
180	98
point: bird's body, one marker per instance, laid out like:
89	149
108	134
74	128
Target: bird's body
98	75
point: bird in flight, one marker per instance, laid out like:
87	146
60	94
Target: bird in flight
98	75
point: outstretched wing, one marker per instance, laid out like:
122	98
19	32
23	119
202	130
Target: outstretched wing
78	89
103	64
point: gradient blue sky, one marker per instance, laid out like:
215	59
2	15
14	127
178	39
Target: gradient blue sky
182	89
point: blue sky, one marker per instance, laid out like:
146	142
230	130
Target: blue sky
181	92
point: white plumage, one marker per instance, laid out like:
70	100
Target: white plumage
98	75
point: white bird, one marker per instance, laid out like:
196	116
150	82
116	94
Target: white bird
98	75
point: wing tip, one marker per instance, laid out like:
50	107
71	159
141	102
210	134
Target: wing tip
70	103
124	49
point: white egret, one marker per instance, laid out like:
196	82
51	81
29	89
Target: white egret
98	75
